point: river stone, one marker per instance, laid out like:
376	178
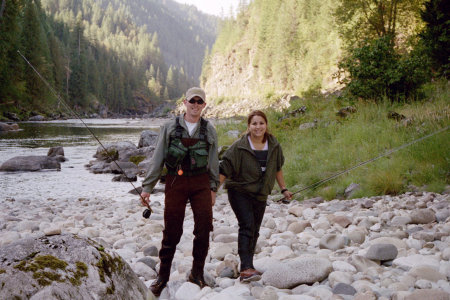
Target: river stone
382	252
9	237
428	294
362	264
8	127
343	266
409	262
427	273
148	138
123	150
56	151
66	267
357	235
351	189
30	163
332	242
344	289
148	261
144	270
286	275
297	227
390	240
422	216
187	291
339	277
151	251
343	221
296	210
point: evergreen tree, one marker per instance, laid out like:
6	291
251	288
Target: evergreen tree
35	49
10	61
78	68
436	35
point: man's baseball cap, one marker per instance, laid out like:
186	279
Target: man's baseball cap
195	91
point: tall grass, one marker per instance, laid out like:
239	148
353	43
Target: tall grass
337	143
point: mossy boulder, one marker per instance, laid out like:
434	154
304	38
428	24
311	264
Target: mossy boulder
65	267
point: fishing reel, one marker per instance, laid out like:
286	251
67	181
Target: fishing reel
147	213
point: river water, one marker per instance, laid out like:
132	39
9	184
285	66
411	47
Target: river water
74	181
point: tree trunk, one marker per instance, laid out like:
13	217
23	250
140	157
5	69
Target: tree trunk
2	8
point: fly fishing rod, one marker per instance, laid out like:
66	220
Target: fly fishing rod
148	211
318	183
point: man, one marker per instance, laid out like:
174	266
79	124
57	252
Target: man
187	146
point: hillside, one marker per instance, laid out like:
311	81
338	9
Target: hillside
273	49
121	57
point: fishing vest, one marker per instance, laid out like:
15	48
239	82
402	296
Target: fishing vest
187	156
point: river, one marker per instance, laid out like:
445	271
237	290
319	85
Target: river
73	181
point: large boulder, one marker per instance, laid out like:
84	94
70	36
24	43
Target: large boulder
30	163
8	127
148	138
65	267
38	118
116	151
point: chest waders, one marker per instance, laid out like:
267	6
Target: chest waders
187	156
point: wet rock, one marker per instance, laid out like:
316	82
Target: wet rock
148	138
30	163
8	127
38	118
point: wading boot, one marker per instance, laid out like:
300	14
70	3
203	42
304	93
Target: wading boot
248	275
158	285
198	280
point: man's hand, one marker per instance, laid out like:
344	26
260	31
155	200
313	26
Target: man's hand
145	199
213	198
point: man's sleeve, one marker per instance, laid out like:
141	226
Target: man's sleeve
156	163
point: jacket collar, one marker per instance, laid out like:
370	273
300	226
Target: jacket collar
245	145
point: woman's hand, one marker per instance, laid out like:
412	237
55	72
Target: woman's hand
288	195
145	199
213	198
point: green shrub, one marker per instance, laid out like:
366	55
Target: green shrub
376	70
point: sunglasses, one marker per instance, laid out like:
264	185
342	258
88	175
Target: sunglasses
200	101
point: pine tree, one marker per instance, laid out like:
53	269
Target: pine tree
436	35
10	62
35	49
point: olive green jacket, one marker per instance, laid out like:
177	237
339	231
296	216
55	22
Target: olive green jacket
243	171
162	145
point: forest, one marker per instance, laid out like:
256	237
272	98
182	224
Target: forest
122	56
377	49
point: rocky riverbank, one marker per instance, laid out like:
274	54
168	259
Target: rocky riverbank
387	247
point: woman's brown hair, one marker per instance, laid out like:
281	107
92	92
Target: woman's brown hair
261	114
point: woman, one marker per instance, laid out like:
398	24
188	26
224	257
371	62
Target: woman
249	168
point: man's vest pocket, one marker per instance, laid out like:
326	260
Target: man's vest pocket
176	153
199	158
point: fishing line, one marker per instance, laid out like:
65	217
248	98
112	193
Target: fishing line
78	117
365	162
